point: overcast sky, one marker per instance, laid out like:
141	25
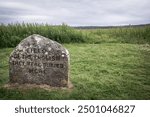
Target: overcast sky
76	12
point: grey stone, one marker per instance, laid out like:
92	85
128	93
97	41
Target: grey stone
39	60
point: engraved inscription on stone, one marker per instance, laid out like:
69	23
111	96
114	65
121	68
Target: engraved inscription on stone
39	60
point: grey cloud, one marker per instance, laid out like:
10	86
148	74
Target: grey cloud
76	12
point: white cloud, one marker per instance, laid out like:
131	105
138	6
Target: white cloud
15	5
76	12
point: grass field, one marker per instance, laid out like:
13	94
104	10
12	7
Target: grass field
105	66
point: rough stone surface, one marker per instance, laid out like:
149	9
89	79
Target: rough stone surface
39	60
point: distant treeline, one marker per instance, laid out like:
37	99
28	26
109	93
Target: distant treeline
107	27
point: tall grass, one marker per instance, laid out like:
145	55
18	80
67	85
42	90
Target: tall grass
137	35
12	34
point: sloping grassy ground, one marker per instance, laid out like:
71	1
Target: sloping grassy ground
105	63
98	71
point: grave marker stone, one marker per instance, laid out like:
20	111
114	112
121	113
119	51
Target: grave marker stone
39	60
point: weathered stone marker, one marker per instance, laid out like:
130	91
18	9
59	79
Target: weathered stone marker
39	60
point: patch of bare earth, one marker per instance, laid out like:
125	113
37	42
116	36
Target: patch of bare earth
35	86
